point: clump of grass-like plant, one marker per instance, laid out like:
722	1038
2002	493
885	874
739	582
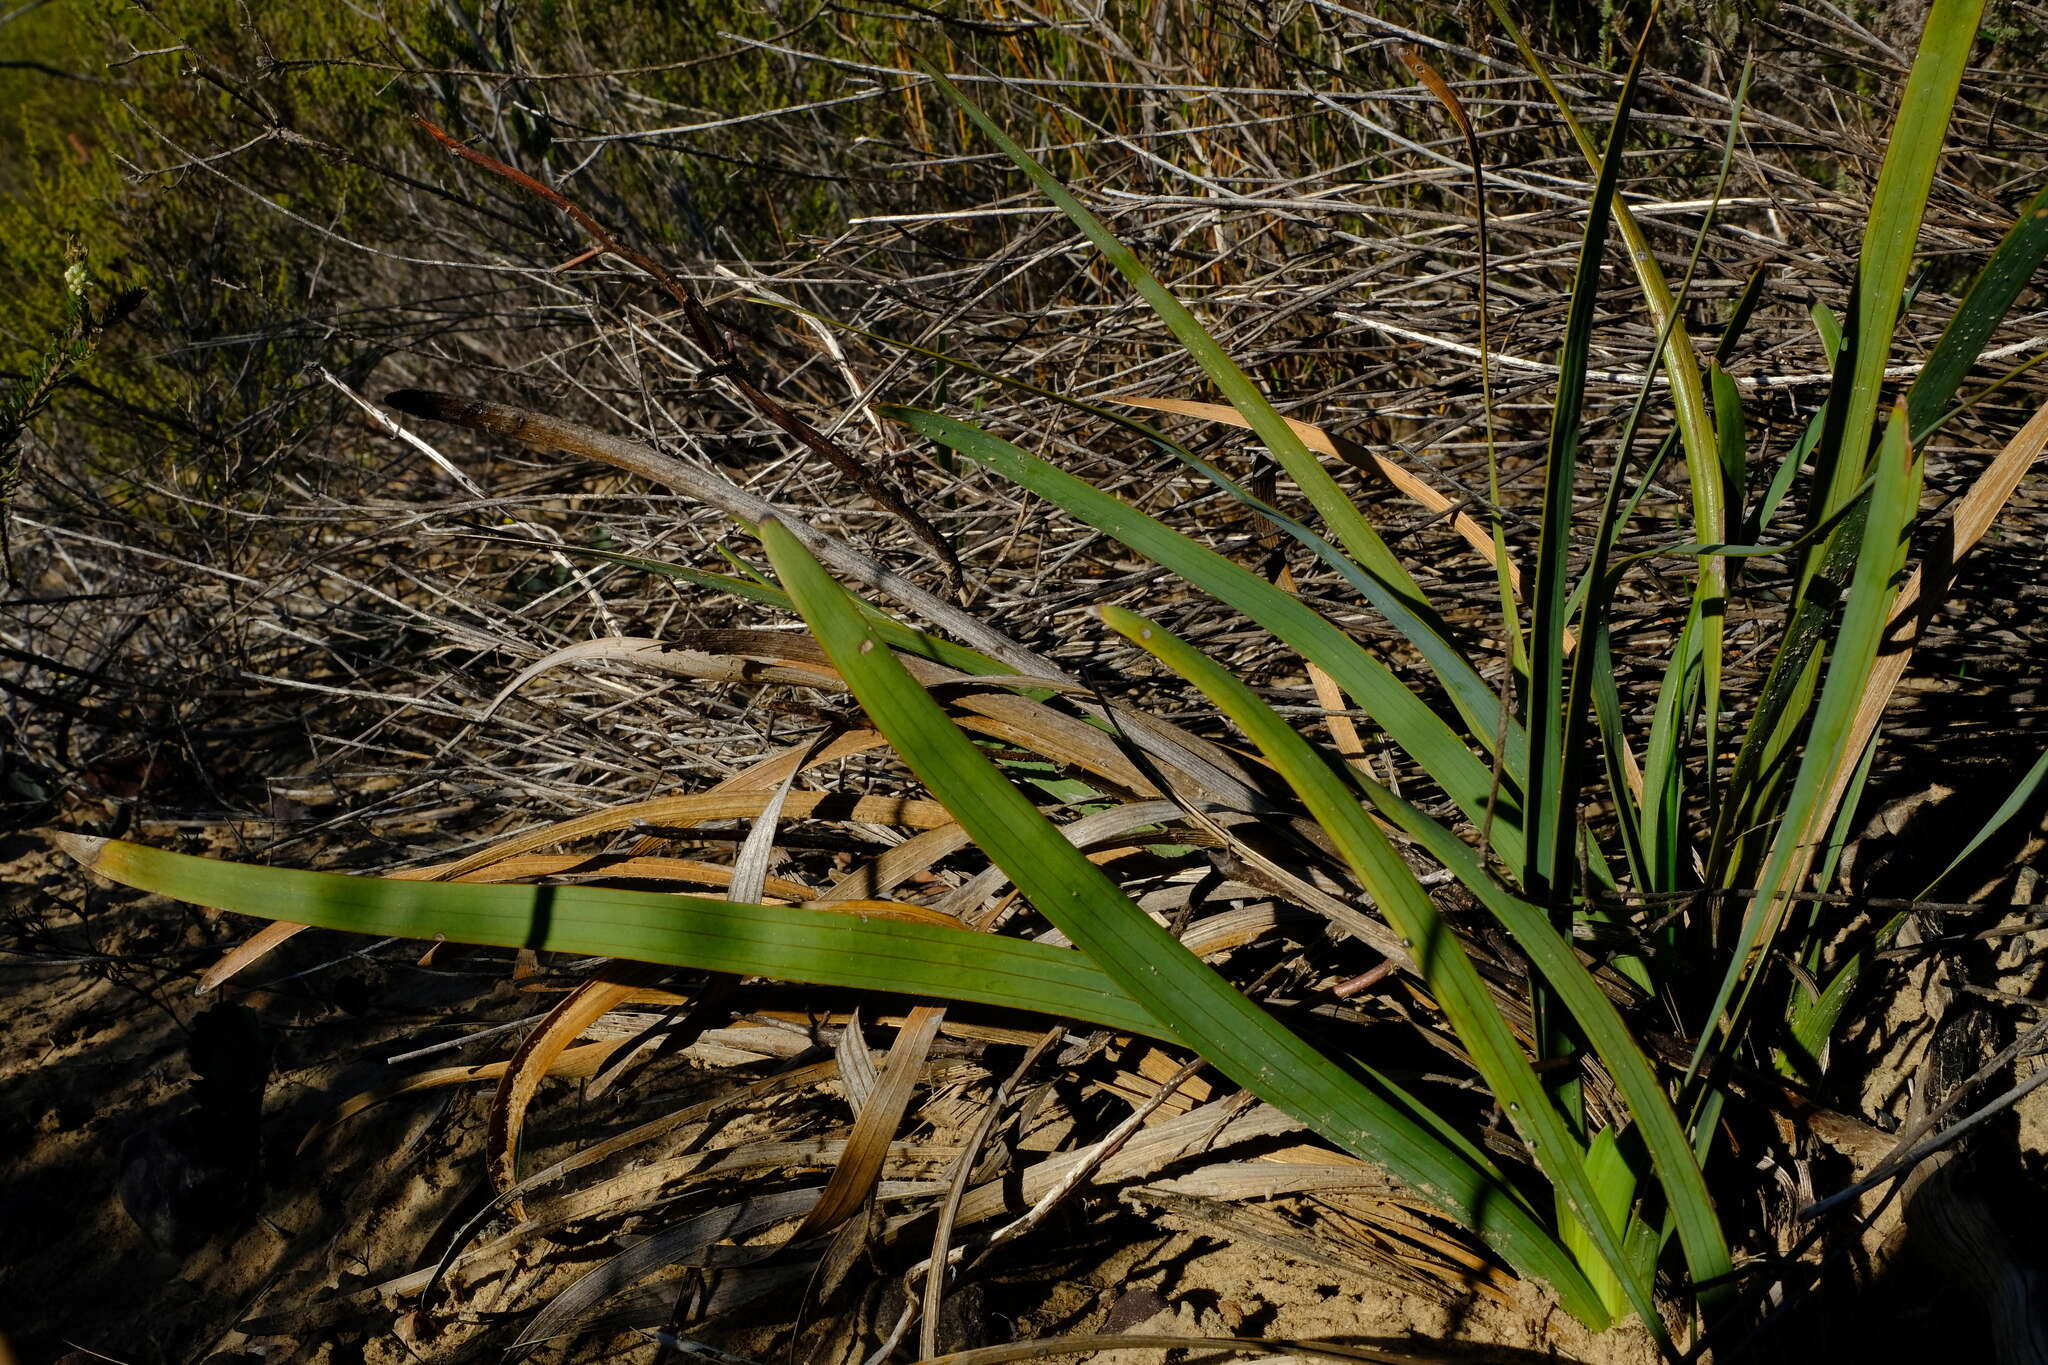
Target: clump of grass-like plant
1601	1183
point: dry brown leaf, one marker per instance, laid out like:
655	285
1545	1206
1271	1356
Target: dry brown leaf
536	1059
1138	1084
1212	1128
867	1146
627	867
655	654
914	857
576	1061
257	945
632	1188
951	1028
1269	1179
1343	732
1092	1345
691	810
1434	82
985	703
787	1082
767	774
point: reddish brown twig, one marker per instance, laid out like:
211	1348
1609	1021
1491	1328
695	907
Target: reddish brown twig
725	361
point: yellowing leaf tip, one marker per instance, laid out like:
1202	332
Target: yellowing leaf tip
86	848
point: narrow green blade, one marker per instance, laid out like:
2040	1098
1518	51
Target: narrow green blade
1352	530
1663	809
1243	1041
1844	436
1552	781
1672	1154
1815	1018
1893	232
1406	719
1449	972
1615	1185
1893	501
1985	303
786	943
1478	705
1681	359
1730	427
2023	792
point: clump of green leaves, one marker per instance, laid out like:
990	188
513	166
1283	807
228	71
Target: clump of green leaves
1600	1196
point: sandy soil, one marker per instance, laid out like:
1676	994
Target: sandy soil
101	1015
102	1054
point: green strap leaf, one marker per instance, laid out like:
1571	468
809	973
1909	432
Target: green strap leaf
1553	769
1446	967
1240	1039
1403	715
1672	1154
786	943
1352	530
1985	303
1893	231
1893	500
1841	447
